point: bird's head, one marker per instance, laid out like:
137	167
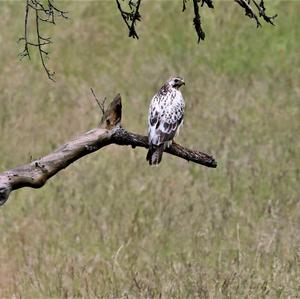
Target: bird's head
176	82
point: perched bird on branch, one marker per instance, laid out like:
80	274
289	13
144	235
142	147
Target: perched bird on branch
165	118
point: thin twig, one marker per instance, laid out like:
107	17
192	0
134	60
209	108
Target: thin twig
44	13
100	104
249	11
40	44
262	12
123	14
136	17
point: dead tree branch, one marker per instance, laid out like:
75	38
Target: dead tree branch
43	13
249	11
197	21
131	17
36	173
262	12
47	13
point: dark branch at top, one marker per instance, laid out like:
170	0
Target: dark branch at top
47	13
209	3
43	13
131	17
197	21
262	12
249	11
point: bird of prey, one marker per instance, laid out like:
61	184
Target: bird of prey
164	119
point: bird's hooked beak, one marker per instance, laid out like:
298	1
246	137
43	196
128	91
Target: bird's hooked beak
176	82
179	84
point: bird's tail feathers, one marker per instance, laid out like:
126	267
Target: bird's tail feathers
155	153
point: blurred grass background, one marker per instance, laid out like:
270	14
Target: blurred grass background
111	227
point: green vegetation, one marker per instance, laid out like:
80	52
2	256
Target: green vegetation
111	227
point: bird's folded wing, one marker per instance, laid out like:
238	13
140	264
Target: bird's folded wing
162	128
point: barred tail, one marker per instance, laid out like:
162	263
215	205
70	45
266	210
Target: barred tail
155	153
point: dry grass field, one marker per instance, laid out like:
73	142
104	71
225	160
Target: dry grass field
109	226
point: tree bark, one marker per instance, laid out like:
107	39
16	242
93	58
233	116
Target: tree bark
110	131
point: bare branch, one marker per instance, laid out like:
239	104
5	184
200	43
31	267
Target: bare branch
249	11
123	137
197	22
136	17
197	18
209	3
184	2
262	12
36	173
133	16
100	104
47	13
25	52
40	44
42	14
